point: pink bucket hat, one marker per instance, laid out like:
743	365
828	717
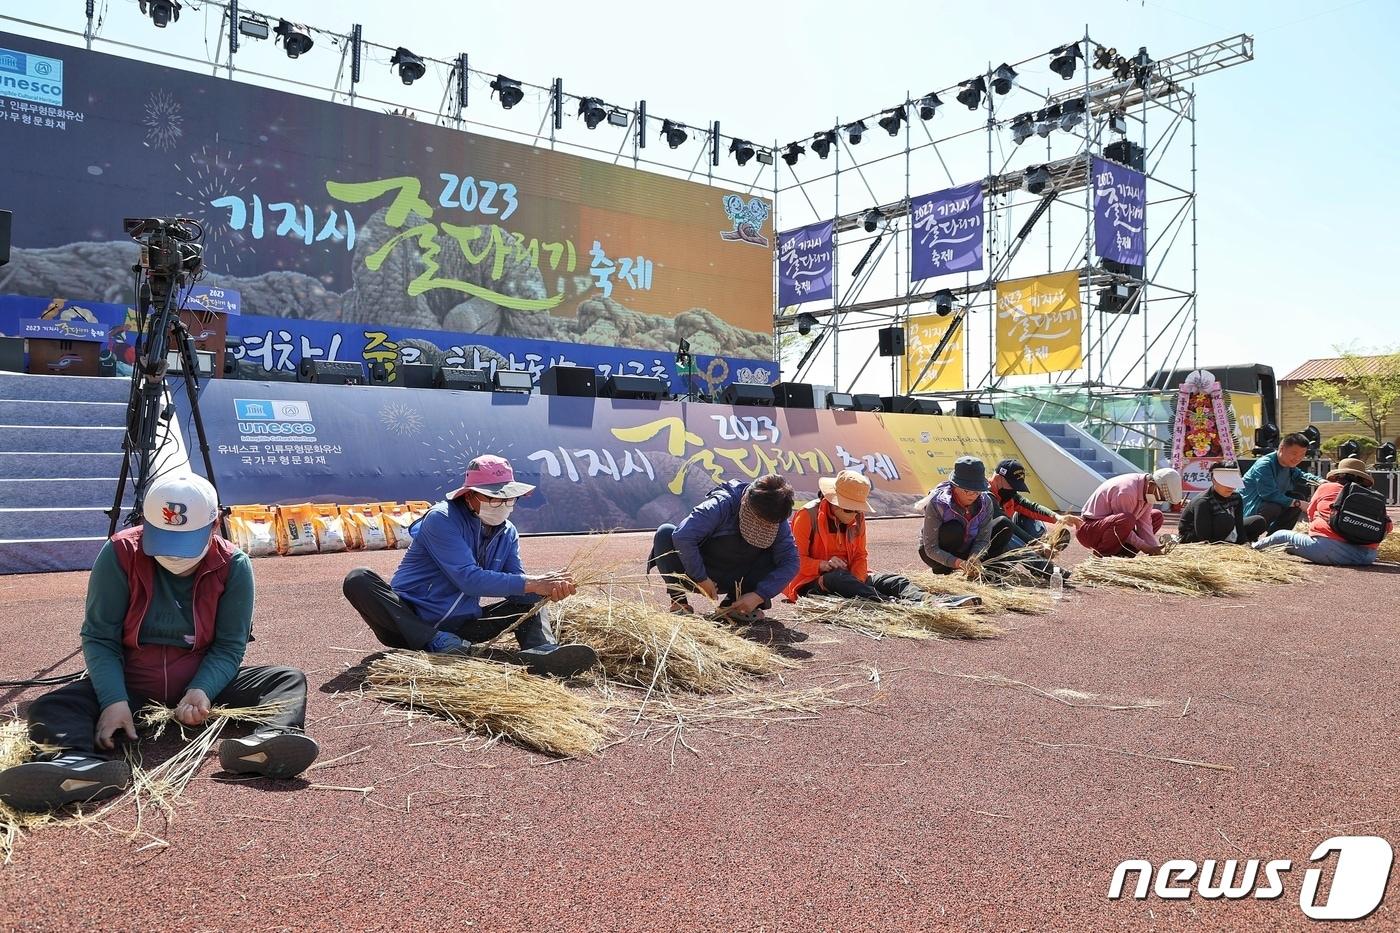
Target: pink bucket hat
491	476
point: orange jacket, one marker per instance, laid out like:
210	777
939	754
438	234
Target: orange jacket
820	537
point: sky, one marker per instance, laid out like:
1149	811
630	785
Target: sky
1297	196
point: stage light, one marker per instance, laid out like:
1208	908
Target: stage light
1037	178
971	94
509	90
805	322
891	120
765	156
928	106
1314	437
1266	440
854	131
411	67
1071	113
1003	79
674	133
1118	123
617	117
1115	298
822	143
1104	57
872	220
840	401
1348	449
294	37
162	12
1062	60
1046	120
1143	67
1022	128
742	150
793	153
1385	456
592	111
943	302
254	27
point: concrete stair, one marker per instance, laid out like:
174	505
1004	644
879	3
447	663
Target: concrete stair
1084	449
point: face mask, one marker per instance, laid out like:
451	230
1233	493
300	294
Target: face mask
180	566
1152	498
494	515
1006	494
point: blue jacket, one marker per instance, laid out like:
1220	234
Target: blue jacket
449	567
1270	481
718	516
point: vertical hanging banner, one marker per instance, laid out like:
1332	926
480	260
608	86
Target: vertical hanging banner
1120	211
804	264
947	232
923	334
1038	325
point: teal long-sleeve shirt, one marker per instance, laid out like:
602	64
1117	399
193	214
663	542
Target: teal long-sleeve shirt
169	621
1270	481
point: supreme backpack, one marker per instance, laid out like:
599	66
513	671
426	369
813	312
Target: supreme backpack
1358	515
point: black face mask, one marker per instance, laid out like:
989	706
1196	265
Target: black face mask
1006	495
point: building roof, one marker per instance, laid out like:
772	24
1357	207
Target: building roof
1332	368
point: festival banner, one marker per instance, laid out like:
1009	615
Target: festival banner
1120	211
1038	325
805	264
933	444
923	334
947	232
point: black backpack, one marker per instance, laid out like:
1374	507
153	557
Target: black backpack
1358	515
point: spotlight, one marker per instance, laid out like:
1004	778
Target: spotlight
1314	437
509	91
805	322
742	150
928	106
617	118
793	153
411	67
1046	120
1348	449
1385	456
1003	78
1062	60
1118	122
295	39
872	220
162	12
822	143
854	131
765	156
254	27
1022	128
592	111
1265	440
1071	113
674	133
891	120
943	302
1143	67
971	94
1104	57
1037	178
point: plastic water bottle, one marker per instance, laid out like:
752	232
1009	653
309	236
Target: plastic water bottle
1057	585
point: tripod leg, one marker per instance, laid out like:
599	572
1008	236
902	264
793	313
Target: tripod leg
187	352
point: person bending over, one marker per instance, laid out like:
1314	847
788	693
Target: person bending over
1276	487
1028	518
1120	519
1323	543
735	547
169	614
833	559
465	548
962	520
1217	515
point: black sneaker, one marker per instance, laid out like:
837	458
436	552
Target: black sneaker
272	753
47	785
559	660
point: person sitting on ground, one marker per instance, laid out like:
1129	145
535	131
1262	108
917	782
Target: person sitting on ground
963	521
1028	518
831	546
463	549
1217	515
1276	487
735	547
169	614
1120	519
1323	543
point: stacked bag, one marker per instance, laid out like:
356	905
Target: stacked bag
323	528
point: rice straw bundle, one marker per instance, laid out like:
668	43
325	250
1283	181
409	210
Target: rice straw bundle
642	644
1390	548
1267	566
491	699
996	598
1188	570
16	748
921	621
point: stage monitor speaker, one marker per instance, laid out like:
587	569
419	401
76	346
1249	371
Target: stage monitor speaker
923	406
12	354
416	375
842	401
971	408
622	385
331	372
892	341
794	395
512	380
463	379
744	393
867	401
571	381
5	218
898	404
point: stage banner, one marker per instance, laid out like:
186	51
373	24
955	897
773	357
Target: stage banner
319	211
1038	325
804	264
1120	211
947	232
933	444
922	336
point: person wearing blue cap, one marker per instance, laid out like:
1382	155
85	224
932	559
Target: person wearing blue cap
169	614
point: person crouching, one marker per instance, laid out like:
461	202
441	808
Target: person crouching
1217	515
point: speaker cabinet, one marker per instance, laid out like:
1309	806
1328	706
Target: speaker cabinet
573	381
743	393
794	395
621	385
415	375
331	372
462	379
892	341
866	402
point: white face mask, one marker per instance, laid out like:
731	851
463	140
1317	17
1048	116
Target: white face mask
181	566
494	515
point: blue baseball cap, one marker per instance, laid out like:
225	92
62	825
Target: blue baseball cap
179	512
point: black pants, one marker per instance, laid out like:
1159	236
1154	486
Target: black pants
995	560
877	586
67	717
733	564
1219	527
396	625
1279	517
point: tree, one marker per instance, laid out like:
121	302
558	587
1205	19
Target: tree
1367	390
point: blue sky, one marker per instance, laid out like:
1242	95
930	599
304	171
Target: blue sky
1297	196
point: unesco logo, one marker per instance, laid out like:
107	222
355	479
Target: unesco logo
43	68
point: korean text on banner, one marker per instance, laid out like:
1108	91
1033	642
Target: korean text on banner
804	264
947	232
923	334
1120	211
1038	325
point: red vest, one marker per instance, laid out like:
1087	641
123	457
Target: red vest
209	580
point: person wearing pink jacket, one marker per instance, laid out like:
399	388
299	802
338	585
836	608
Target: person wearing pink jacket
1120	519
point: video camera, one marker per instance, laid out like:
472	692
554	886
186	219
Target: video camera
169	253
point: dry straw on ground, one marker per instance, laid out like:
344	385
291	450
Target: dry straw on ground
1390	548
894	620
1190	570
492	699
996	598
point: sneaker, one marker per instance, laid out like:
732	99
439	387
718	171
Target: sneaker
558	660
682	607
273	753
47	785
